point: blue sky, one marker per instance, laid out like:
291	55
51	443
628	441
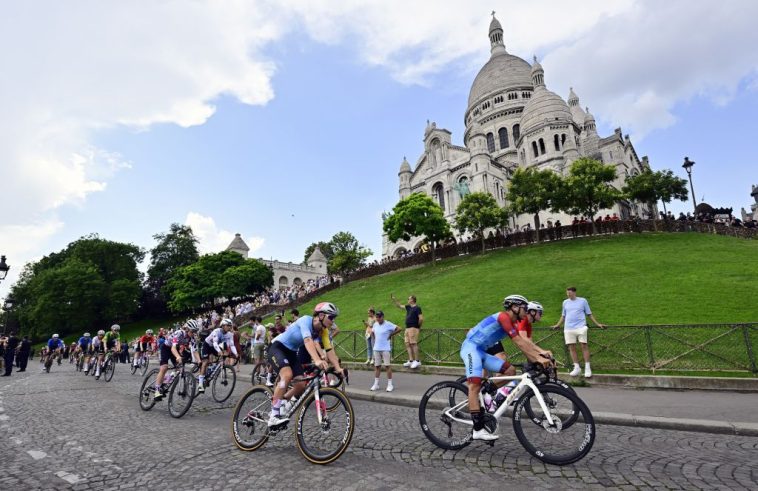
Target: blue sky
287	122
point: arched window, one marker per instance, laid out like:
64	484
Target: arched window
503	134
534	149
542	146
557	143
516	132
438	194
283	282
490	143
563	139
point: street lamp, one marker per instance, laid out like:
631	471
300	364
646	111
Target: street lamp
8	303
688	167
3	268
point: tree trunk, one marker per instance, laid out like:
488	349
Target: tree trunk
537	226
434	262
592	220
482	234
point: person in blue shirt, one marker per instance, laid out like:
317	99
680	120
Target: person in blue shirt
575	311
55	346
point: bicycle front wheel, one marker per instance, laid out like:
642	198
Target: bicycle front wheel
145	363
110	367
444	415
181	394
322	442
147	391
250	419
223	384
572	433
133	368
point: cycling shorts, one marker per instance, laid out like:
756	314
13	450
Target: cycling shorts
206	350
166	355
495	349
111	344
280	356
475	359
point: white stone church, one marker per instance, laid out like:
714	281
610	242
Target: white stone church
512	120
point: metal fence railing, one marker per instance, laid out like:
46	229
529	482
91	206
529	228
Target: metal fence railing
676	348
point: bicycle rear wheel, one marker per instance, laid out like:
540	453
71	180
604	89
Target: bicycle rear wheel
559	443
323	442
444	415
145	363
133	368
223	384
147	391
250	417
181	394
110	367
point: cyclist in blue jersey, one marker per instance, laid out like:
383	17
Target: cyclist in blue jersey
82	346
55	346
284	357
488	332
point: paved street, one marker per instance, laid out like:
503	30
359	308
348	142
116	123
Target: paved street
62	430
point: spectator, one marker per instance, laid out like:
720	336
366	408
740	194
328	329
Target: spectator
10	344
24	353
574	313
383	331
414	318
369	323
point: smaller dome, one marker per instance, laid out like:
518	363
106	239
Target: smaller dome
544	106
588	117
405	166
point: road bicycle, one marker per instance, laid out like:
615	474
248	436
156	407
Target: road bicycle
324	420
221	378
49	361
109	366
142	363
551	422
178	383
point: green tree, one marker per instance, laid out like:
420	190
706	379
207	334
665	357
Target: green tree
587	189
417	216
222	275
532	191
649	187
175	248
671	187
348	254
477	212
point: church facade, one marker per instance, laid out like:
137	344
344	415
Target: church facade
512	120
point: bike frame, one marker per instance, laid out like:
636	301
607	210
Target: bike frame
525	380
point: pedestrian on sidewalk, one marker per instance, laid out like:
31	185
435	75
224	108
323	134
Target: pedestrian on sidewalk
10	344
574	313
383	331
414	318
23	354
369	323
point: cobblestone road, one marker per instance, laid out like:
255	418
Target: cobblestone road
65	431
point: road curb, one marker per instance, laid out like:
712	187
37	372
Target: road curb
615	419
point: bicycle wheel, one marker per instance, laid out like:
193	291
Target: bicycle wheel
444	415
250	417
181	394
550	402
48	364
258	375
557	444
133	368
145	363
223	384
323	442
335	381
147	391
110	367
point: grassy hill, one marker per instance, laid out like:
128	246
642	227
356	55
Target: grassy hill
651	278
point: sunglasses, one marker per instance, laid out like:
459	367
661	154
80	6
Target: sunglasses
331	317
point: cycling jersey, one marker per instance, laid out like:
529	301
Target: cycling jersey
294	337
178	338
54	344
492	329
111	338
98	344
218	336
525	326
84	343
145	342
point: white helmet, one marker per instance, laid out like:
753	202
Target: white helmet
534	306
327	308
514	300
101	333
115	327
149	331
226	322
86	335
192	325
55	336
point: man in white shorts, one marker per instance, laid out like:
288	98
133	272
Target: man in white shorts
575	312
382	332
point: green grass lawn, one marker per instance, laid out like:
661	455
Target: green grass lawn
652	278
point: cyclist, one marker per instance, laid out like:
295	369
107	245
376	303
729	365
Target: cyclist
82	346
283	353
175	347
97	350
487	332
144	344
533	314
55	346
219	340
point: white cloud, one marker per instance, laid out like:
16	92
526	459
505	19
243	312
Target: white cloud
211	239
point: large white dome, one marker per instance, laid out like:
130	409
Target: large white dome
503	71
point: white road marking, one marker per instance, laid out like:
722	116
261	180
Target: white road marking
69	478
37	454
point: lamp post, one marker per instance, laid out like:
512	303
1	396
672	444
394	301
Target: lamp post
8	303
688	167
3	268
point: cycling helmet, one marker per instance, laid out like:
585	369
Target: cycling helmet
226	322
115	327
55	336
149	331
327	308
514	300
534	306
192	325
86	335
101	333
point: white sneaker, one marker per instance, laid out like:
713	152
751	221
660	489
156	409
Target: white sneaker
375	387
269	383
407	363
587	372
576	371
414	364
484	435
390	388
285	408
276	420
418	363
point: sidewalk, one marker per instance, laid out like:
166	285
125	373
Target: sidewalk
691	410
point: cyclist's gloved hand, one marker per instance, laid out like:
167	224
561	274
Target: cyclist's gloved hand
322	364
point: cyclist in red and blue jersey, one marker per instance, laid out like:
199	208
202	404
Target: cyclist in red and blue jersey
488	332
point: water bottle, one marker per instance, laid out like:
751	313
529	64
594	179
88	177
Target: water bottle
488	403
169	378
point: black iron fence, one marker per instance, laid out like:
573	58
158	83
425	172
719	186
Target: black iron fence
670	348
